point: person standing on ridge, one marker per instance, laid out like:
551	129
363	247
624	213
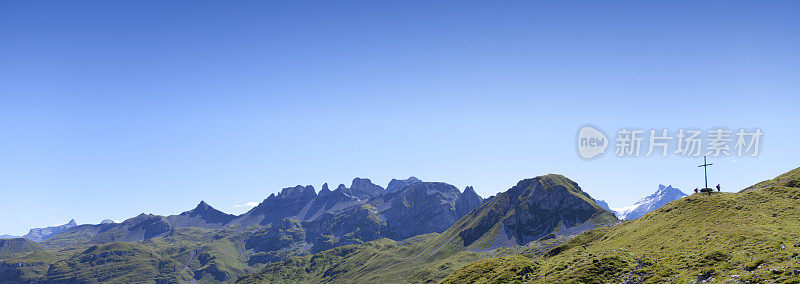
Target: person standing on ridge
718	188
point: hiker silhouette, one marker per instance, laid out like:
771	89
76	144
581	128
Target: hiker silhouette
718	187
695	190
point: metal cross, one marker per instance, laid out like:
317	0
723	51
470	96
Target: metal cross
705	169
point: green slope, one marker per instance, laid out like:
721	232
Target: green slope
11	247
749	236
118	263
383	261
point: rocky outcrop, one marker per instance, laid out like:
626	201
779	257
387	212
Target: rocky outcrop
421	208
546	205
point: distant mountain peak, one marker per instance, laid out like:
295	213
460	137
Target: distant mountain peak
663	195
40	234
298	191
399	184
201	216
364	188
469	190
203	206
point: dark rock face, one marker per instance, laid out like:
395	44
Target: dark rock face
422	208
398	184
544	206
41	234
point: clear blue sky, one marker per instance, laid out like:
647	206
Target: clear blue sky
109	109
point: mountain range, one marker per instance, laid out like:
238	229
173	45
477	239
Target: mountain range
533	215
544	229
296	221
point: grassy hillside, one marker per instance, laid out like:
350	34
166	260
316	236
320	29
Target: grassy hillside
118	262
788	179
10	247
384	261
749	236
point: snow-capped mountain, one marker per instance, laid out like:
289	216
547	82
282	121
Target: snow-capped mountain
661	197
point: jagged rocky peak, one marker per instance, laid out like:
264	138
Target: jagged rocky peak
298	192
469	190
468	201
72	223
364	188
203	206
325	189
398	184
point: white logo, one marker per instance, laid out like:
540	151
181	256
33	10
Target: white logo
591	142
